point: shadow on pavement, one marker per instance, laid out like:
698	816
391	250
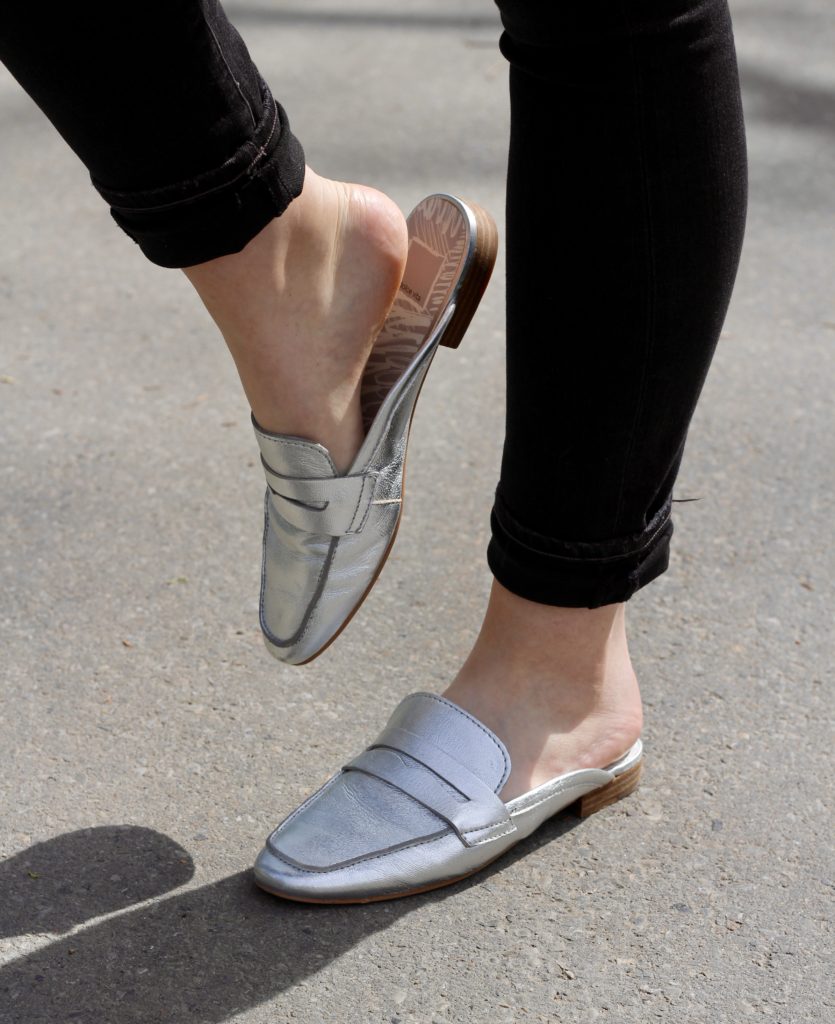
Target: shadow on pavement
198	957
58	884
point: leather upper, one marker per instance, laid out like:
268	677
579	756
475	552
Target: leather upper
433	768
419	805
325	535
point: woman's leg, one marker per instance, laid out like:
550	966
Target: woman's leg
625	215
183	139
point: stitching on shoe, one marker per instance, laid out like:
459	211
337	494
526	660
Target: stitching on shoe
374	476
280	441
390	853
574	785
446	784
565	789
498	835
475	721
363	860
353	861
310	612
299	809
481	828
449	831
405	758
365	480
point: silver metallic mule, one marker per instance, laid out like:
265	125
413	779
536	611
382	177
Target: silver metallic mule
419	808
327	536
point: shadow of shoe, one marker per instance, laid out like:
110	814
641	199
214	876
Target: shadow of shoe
62	882
207	954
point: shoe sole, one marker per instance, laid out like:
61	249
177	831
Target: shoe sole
620	787
473	286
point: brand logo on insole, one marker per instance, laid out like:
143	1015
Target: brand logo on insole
422	269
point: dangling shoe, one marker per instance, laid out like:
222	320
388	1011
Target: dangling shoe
327	536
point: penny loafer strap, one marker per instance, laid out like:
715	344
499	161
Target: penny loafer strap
332	506
477	815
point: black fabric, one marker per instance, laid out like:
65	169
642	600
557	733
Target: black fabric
164	106
626	203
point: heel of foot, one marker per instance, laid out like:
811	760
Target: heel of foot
618	788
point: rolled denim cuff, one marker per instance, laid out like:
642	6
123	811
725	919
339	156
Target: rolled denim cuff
216	213
576	574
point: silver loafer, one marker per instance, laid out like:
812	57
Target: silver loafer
327	536
419	809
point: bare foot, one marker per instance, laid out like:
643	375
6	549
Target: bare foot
301	305
556	685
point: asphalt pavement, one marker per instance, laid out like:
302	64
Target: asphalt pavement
147	741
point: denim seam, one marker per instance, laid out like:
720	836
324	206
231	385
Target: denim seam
504	516
222	56
651	284
261	152
288	189
265	179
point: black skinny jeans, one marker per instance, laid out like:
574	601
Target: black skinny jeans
626	203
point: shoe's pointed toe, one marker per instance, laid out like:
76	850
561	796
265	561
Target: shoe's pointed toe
343	844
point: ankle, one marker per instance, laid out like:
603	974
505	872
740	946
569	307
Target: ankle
553	643
245	292
555	684
300	306
562	665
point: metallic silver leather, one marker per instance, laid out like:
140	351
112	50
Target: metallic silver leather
420	805
325	535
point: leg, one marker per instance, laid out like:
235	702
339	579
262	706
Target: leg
301	305
625	215
199	166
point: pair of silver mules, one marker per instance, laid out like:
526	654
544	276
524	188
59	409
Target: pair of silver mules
420	807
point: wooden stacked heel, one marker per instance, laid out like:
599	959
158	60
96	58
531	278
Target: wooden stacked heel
484	258
618	788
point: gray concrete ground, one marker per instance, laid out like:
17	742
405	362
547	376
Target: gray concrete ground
148	743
